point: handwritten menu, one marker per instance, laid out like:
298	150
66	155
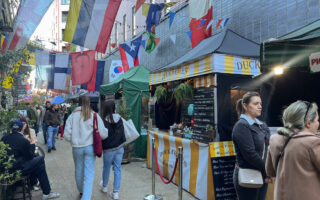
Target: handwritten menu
223	161
203	113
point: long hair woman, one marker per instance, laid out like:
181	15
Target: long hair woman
297	170
79	131
250	137
112	148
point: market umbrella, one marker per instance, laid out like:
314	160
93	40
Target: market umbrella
57	99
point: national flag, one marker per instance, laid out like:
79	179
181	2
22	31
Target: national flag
42	57
145	9
60	71
200	32
139	4
83	67
96	79
28	18
90	23
4	42
116	69
199	8
129	53
154	15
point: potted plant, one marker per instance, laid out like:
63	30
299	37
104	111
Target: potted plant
183	91
160	93
210	131
8	176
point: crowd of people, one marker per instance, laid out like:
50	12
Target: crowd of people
75	125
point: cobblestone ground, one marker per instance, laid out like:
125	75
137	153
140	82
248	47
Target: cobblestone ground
136	179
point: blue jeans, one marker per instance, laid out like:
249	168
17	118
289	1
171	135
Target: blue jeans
84	159
52	132
44	131
115	158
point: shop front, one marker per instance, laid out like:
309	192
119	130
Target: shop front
219	72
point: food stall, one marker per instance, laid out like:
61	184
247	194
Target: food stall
219	70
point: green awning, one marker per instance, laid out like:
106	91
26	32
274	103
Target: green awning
291	50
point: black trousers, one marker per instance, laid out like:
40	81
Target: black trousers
44	131
248	193
37	169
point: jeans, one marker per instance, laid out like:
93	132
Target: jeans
115	158
44	131
52	133
37	169
248	193
84	159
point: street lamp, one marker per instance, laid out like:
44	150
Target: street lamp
278	70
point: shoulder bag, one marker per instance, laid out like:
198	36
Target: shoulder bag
97	143
130	131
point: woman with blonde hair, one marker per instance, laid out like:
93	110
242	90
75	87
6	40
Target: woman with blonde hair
79	131
293	156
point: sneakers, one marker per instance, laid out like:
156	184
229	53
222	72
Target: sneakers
54	148
50	196
114	195
103	188
49	150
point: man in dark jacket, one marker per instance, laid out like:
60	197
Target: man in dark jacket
26	161
44	125
52	120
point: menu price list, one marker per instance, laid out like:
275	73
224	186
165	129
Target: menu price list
222	171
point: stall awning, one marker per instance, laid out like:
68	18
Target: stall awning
293	49
225	52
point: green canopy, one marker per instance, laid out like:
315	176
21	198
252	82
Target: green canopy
134	85
291	50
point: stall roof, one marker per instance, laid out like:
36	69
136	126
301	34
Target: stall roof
225	42
292	49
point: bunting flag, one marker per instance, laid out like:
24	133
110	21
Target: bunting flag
200	32
139	4
218	23
113	45
145	9
169	4
29	16
154	15
116	69
60	71
173	38
130	53
97	78
90	23
152	42
199	8
143	43
171	14
83	67
223	22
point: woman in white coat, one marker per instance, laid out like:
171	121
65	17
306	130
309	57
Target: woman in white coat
79	131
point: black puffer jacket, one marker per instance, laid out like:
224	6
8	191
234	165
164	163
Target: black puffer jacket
116	137
249	142
52	118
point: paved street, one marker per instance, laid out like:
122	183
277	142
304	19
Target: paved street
136	179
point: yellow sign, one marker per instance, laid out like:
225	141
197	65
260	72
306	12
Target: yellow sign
221	149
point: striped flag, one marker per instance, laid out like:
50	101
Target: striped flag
97	78
130	53
29	16
90	23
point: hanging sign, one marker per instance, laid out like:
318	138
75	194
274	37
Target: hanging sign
315	62
116	70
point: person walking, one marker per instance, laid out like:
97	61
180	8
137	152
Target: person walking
52	120
112	148
61	127
79	131
250	137
297	170
44	125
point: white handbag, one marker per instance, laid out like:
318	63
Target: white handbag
251	178
130	131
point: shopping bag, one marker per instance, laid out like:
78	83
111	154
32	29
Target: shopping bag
97	143
130	131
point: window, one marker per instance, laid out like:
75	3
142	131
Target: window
133	23
64	49
62	33
124	24
65	2
64	16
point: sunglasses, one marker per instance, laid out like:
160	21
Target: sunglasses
308	107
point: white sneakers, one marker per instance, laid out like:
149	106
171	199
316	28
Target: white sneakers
113	195
103	188
50	196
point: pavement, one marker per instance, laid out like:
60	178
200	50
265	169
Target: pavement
135	182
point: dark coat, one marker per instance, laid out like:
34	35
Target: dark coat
21	148
249	142
116	136
52	118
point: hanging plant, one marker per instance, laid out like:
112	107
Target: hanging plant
184	90
160	93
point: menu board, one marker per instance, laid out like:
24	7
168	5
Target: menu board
223	162
203	113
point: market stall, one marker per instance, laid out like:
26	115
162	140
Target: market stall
134	86
219	70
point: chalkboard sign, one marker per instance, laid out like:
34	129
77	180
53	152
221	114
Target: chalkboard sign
223	162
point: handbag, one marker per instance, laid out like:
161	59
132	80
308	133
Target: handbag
251	178
130	131
97	143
